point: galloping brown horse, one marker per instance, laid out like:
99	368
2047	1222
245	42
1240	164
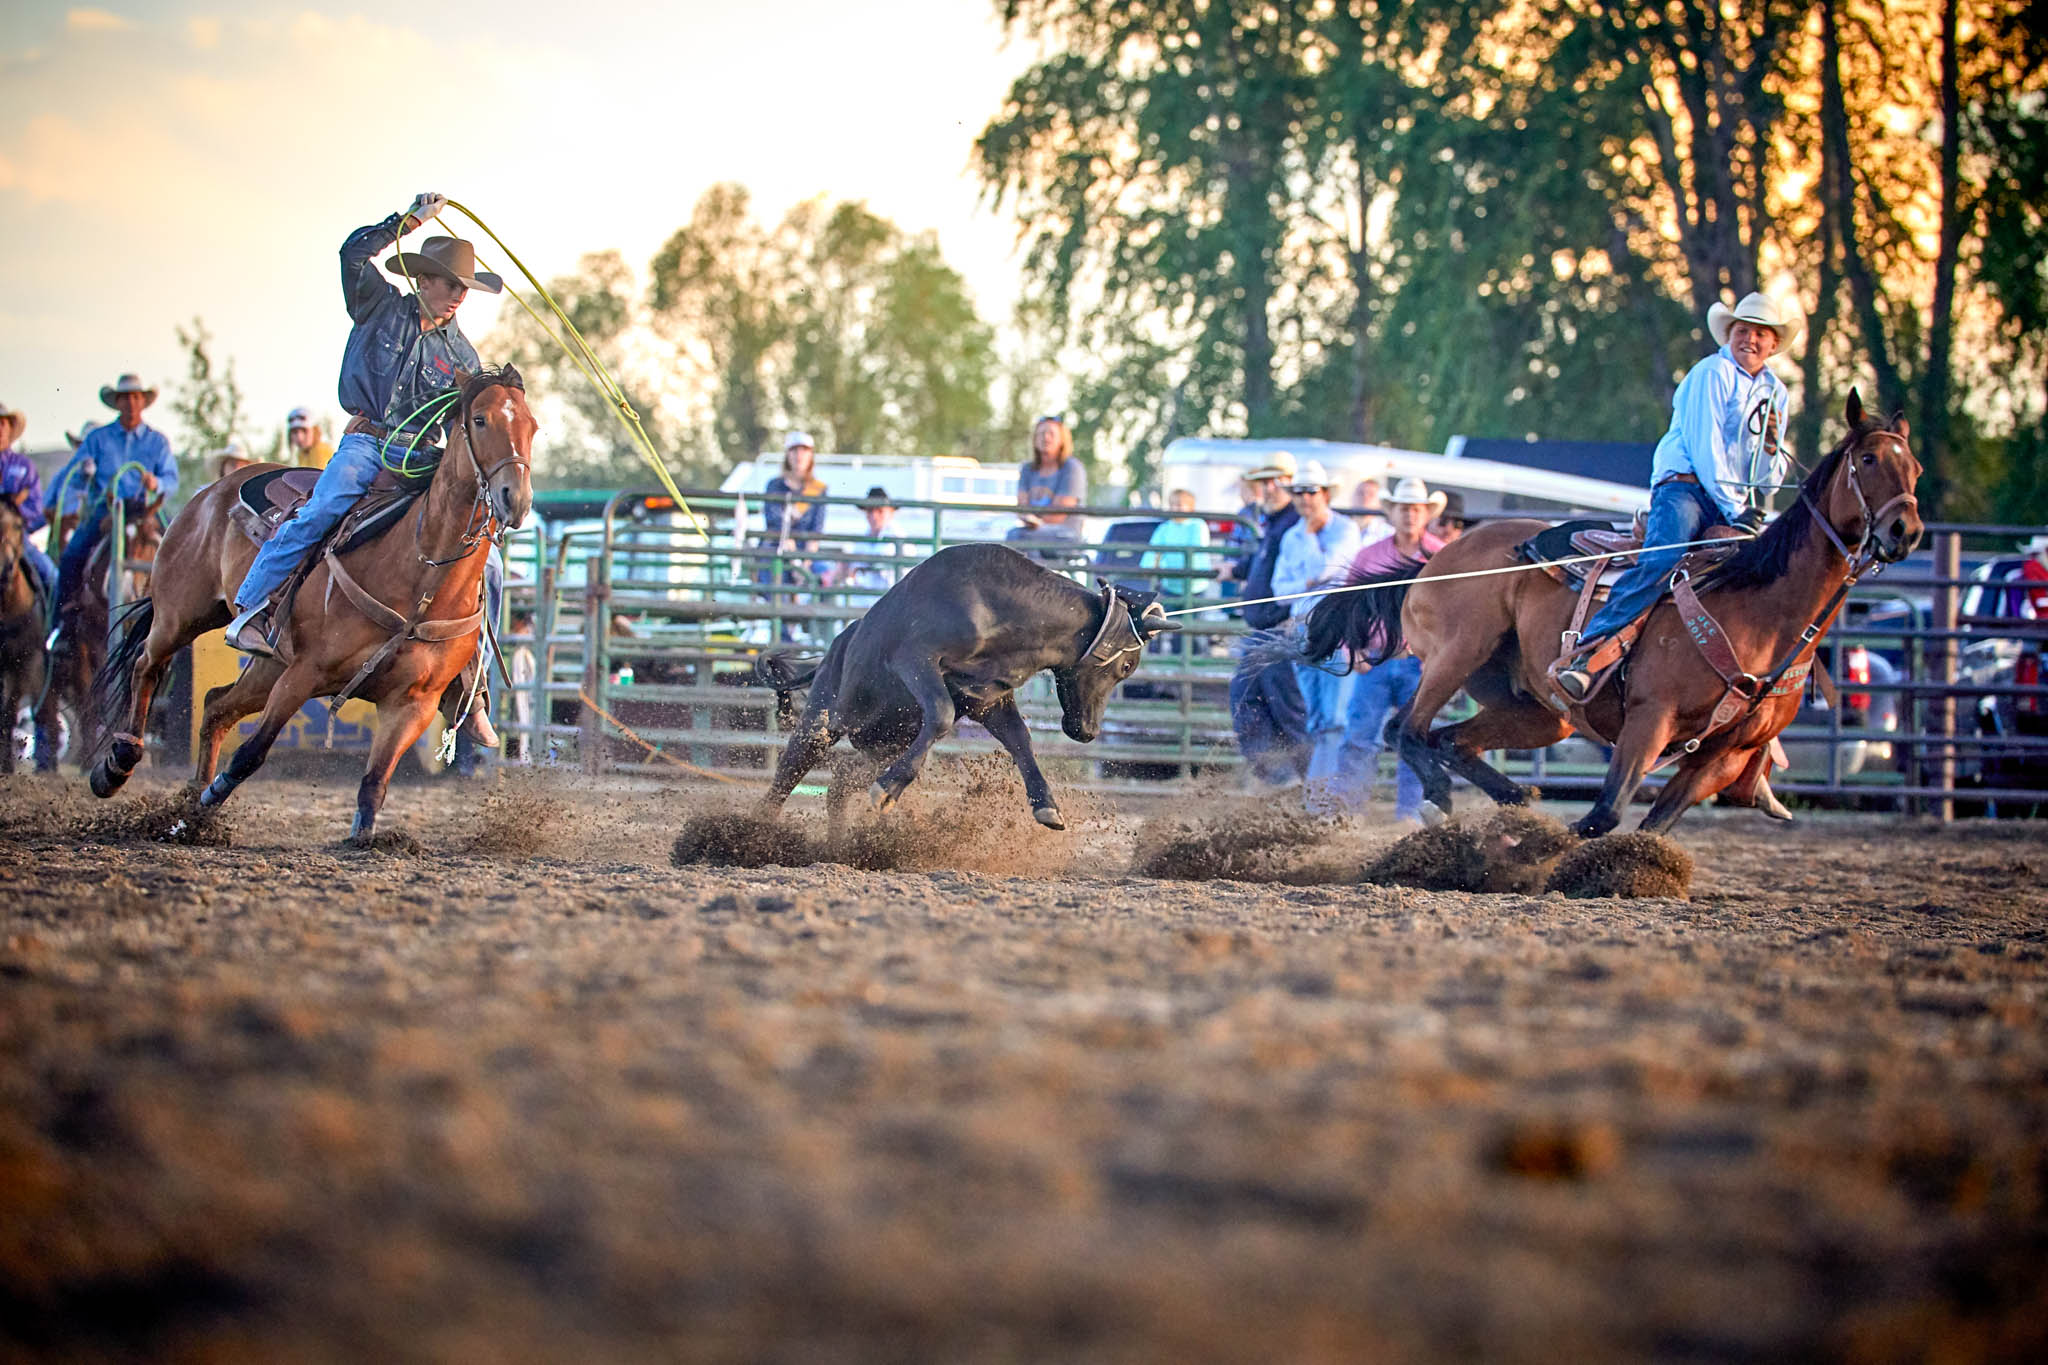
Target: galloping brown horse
427	571
1496	636
22	656
81	648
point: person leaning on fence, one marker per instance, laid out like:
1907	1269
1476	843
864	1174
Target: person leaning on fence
792	513
21	483
1384	688
131	460
881	553
305	444
1173	543
1316	552
404	353
1266	710
1051	479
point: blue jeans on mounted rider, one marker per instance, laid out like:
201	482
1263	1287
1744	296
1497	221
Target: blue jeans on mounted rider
347	477
1328	698
78	550
42	566
1678	512
1378	694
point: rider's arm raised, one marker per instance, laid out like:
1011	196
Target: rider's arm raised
362	284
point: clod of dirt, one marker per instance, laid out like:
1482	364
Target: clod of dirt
172	818
1555	1151
517	820
740	839
1626	865
1522	849
1254	849
393	842
1446	857
884	846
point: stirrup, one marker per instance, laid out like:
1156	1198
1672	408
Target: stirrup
1575	682
244	634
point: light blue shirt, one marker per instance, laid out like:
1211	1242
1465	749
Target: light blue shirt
1310	558
1718	418
112	446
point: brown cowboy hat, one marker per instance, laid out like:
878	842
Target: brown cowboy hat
127	383
449	257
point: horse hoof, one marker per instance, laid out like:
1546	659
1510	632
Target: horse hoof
1433	814
881	799
103	781
214	794
1049	816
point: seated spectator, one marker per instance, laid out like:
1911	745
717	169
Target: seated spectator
1050	480
1181	529
884	549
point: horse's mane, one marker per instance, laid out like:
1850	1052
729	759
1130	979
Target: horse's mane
1768	558
506	376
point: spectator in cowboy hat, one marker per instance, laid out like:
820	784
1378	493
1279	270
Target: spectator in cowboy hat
230	458
1451	522
879	572
21	483
1316	551
1266	708
404	351
304	441
131	460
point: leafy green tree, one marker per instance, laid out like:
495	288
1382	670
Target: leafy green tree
207	406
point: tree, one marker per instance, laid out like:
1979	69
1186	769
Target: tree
208	406
833	320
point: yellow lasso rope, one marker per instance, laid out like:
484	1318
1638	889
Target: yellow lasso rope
586	360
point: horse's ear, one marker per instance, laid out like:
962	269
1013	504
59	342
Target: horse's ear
1854	410
511	374
1900	426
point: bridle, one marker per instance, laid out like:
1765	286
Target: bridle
482	521
1866	552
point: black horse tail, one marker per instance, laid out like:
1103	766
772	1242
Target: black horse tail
113	689
1367	618
788	672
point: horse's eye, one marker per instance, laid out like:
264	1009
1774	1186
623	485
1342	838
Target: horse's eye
477	422
1869	458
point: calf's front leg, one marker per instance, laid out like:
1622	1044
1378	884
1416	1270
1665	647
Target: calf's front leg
1006	723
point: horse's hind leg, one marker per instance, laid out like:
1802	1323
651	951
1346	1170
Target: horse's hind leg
400	722
224	706
1444	671
287	695
1514	725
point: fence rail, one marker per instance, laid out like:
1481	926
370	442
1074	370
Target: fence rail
635	635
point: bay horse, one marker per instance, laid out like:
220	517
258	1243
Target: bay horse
23	659
407	606
81	647
1771	600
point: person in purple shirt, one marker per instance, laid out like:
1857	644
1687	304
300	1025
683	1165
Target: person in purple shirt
22	484
131	460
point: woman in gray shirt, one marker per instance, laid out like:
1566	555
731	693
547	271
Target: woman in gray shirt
1051	479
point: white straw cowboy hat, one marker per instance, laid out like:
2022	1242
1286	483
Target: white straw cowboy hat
450	257
127	383
1413	492
14	422
1281	466
1783	318
1311	475
2037	546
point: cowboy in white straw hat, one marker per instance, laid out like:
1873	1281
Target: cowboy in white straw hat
130	460
1317	550
1386	687
1714	467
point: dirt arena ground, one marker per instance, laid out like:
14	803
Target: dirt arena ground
518	1089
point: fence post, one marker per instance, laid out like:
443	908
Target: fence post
1948	565
117	552
596	588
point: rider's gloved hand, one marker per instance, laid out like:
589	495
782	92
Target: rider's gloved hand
424	206
1751	520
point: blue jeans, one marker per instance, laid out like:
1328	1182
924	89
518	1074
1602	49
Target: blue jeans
1380	692
1328	696
79	549
1271	720
347	476
40	564
1678	512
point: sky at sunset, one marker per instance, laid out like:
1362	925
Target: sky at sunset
162	160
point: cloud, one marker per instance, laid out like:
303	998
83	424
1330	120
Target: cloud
93	21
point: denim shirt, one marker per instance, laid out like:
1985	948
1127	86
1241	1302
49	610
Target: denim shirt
113	445
390	367
1311	559
19	476
1719	417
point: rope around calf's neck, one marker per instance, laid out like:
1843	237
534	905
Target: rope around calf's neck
1469	573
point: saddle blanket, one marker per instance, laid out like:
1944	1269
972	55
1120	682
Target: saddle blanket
1573	539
